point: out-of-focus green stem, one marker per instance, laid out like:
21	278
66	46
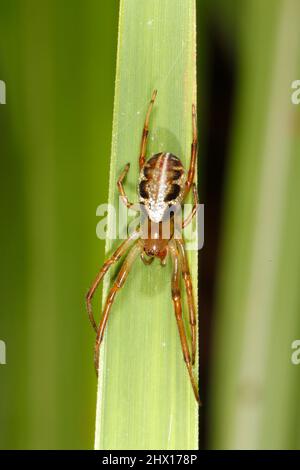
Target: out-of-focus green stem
254	386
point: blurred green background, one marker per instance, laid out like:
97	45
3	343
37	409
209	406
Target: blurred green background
58	62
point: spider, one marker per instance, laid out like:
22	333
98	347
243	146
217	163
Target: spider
163	183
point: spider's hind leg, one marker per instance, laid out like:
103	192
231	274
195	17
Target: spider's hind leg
189	218
146	131
194	147
121	187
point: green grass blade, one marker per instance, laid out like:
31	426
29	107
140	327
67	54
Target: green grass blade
255	386
145	400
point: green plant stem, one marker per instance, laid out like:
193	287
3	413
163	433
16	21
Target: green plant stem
145	400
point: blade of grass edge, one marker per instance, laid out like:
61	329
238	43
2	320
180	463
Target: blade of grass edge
145	399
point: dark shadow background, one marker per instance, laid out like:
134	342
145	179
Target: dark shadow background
217	63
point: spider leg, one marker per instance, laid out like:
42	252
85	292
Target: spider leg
118	284
189	218
190	296
191	172
108	263
176	296
121	187
146	131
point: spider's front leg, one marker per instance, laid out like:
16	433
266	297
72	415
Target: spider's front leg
118	284
190	295
176	296
108	263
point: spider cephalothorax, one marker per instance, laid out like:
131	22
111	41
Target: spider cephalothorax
163	185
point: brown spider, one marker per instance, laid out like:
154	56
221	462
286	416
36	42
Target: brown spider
162	184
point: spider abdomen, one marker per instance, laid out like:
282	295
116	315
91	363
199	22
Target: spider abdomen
161	184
